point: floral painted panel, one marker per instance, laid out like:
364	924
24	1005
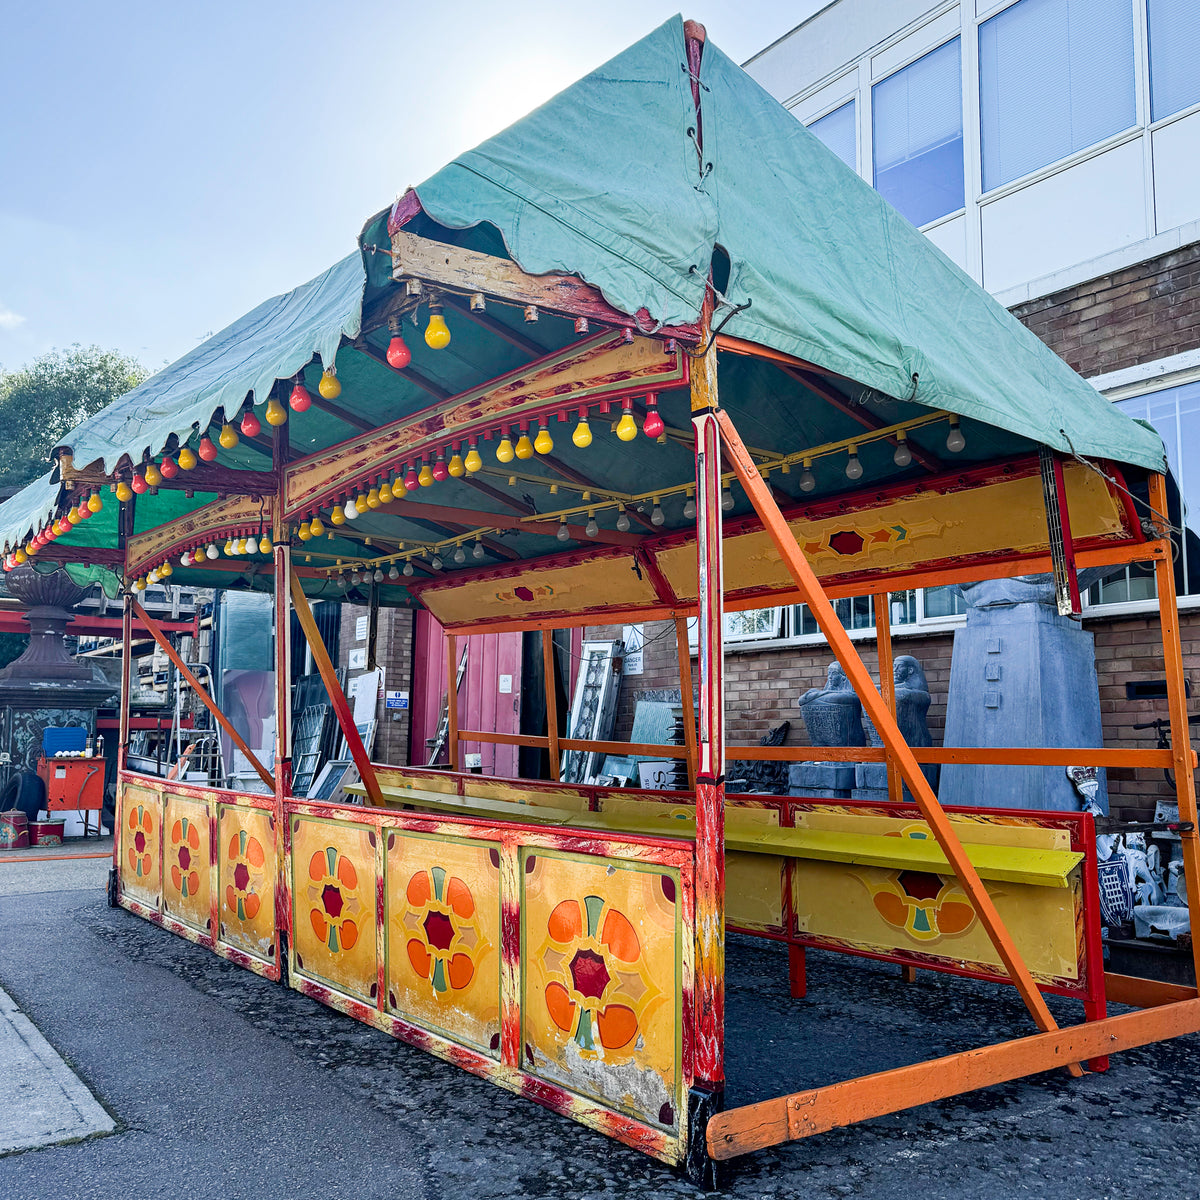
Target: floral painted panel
333	899
443	929
187	865
141	845
246	879
602	982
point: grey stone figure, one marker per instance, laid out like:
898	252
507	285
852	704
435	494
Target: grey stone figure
833	717
1021	675
912	709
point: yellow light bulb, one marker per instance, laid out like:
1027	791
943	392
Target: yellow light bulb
20	555
455	466
30	548
473	462
73	516
227	549
330	386
139	585
437	332
95	504
582	437
124	492
338	517
317	527
524	446
385	493
425	478
543	443
187	458
361	503
504	451
228	436
166	569
373	498
264	544
304	532
153	475
276	414
627	427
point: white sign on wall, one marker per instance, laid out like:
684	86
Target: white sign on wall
506	685
358	659
360	629
635	640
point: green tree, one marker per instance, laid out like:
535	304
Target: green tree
41	402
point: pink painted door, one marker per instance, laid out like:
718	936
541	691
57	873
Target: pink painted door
489	697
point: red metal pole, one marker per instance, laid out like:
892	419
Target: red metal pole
708	1067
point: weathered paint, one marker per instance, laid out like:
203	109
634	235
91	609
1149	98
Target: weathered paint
218	519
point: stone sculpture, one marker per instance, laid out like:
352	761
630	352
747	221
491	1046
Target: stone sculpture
912	709
833	717
1021	675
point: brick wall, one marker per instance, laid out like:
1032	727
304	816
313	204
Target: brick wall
393	651
1145	312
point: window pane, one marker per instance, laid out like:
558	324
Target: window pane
918	136
839	133
943	602
753	625
1055	76
903	607
1174	56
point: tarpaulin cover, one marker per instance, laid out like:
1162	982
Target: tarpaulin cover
27	511
604	182
273	341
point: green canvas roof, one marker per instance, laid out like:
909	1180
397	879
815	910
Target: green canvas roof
603	181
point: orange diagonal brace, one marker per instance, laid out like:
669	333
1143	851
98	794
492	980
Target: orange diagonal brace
205	699
329	678
885	723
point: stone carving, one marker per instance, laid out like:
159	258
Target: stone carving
912	709
1021	675
833	717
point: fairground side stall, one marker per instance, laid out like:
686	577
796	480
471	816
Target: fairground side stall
652	353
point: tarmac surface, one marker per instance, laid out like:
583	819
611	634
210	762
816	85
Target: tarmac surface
224	1085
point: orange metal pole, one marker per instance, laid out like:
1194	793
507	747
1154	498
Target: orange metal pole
1181	745
872	701
551	676
337	698
685	695
887	685
205	699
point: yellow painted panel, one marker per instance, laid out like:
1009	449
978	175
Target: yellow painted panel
141	834
1007	515
601	979
246	879
886	911
187	865
982	830
500	789
442	902
333	902
754	890
390	777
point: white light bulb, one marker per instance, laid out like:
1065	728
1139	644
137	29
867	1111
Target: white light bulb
563	534
378	576
726	499
689	509
591	528
408	568
955	442
393	573
436	562
351	511
657	516
854	468
808	480
460	555
903	455
623	521
479	551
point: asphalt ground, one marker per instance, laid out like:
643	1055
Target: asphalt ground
224	1085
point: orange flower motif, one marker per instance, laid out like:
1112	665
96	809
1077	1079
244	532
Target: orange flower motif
185	846
600	986
141	821
246	857
443	935
333	889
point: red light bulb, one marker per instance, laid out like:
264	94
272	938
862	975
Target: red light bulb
169	468
398	353
251	425
206	449
411	482
300	400
439	469
138	482
653	425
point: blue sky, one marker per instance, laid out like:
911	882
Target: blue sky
168	166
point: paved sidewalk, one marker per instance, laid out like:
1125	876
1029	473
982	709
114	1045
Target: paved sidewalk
44	1100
